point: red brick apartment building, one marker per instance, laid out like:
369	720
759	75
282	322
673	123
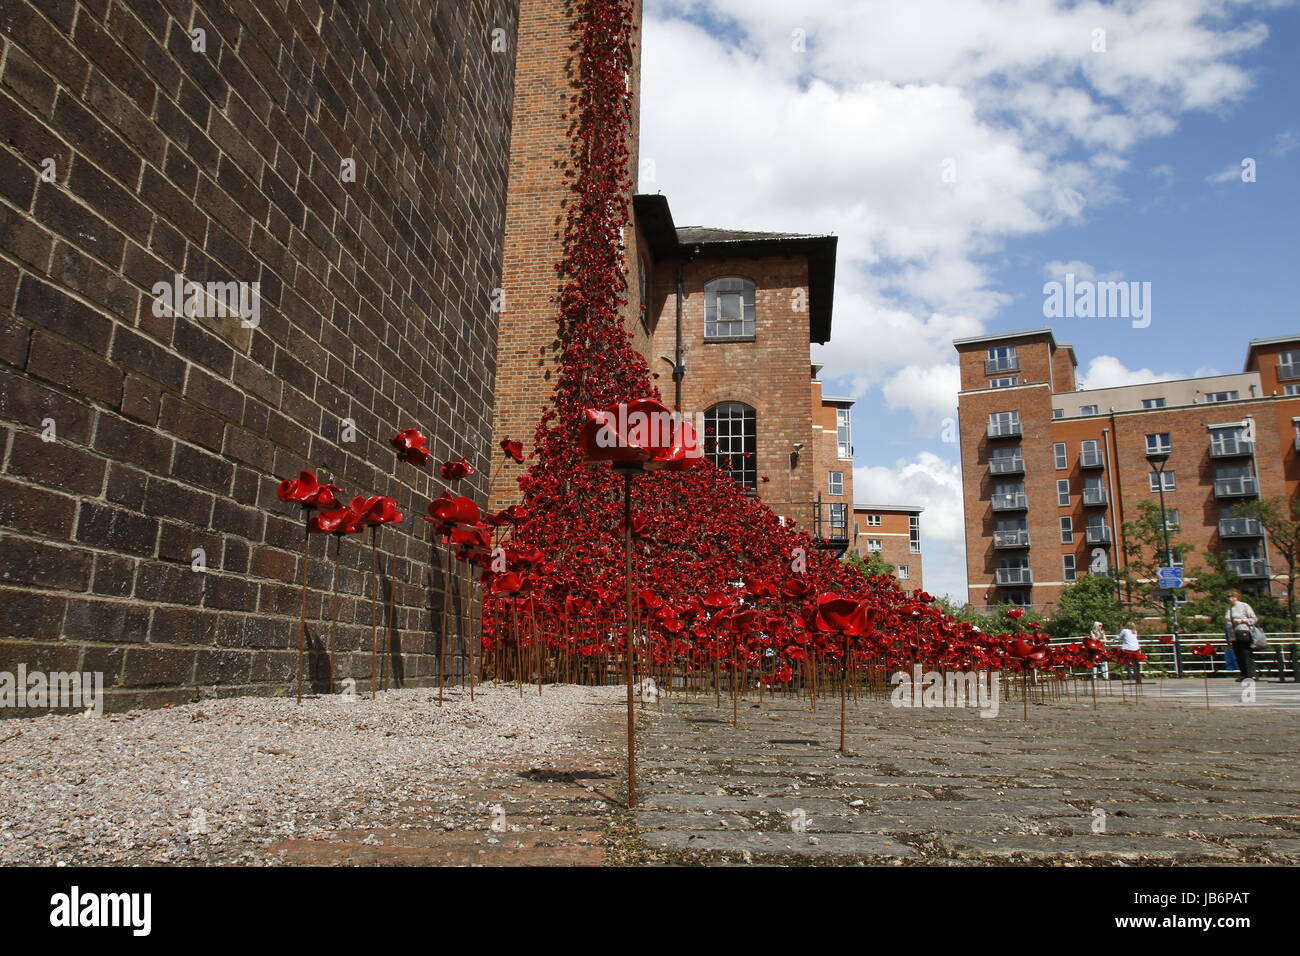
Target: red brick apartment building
894	533
1050	473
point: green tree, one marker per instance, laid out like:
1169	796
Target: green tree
874	565
1091	598
1281	519
1144	554
1209	599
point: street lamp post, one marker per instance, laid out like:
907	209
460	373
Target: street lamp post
1158	460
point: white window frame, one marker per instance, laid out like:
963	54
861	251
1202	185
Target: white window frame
1069	569
1009	381
1164	443
834	487
1067	529
1061	455
874	521
1063	492
1215	398
1083	410
1156	478
1153	402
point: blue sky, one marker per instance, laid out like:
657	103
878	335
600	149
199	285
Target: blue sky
1091	137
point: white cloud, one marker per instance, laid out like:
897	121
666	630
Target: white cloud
1056	269
929	393
1229	173
924	134
1106	371
1285	142
935	484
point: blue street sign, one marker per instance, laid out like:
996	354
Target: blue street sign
1170	578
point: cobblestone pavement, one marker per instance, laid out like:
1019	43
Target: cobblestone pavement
1163	778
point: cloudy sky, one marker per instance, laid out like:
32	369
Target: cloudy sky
967	151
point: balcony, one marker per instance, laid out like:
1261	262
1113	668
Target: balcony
1097	534
1015	501
1248	567
1240	528
1247	486
1010	539
1094	497
1007	466
1004	429
1091	458
1287	372
1010	577
1230	447
994	366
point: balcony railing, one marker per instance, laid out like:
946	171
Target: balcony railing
1090	458
1236	487
1287	371
1230	447
1007	466
1094	496
1010	539
1002	429
1013	576
1240	528
1015	501
1248	567
1097	534
1010	364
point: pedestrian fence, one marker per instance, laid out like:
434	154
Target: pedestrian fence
1167	657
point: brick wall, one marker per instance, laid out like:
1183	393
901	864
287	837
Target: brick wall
169	433
535	219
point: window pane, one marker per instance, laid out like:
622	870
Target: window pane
730	441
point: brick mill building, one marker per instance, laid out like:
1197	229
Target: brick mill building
893	532
1050	473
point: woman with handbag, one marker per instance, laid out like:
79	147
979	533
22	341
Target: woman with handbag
1239	631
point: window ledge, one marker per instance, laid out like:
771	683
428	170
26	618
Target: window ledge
721	340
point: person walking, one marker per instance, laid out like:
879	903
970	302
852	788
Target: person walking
1101	668
1239	631
1128	644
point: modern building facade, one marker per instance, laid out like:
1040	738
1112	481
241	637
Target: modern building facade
1050	472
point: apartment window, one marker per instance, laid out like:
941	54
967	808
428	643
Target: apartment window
904	572
729	308
1003	358
1159	444
1167	477
873	521
1293	388
1061	456
730	440
844	432
1288	364
1213	397
914	533
1058	412
1090	453
1087	409
835	482
1093	488
1173	558
1006	382
874	545
1063	492
839	519
1173	519
1153	403
1067	567
1067	530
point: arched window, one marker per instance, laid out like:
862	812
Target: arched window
729	309
730	441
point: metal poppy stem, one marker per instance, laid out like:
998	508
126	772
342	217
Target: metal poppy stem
627	651
843	689
302	605
374	600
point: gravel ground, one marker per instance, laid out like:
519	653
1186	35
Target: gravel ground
217	781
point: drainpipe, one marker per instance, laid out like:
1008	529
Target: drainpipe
1112	452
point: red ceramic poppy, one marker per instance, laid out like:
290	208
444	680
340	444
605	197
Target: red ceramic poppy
447	511
410	445
307	491
377	510
338	521
1016	613
456	470
513	449
1205	650
841	615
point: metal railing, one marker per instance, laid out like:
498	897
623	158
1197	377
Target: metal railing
1007	465
1090	458
1094	496
1010	539
1097	534
1236	487
1004	429
1015	501
1009	364
1287	371
1009	576
1230	447
1247	567
1240	528
1279	661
